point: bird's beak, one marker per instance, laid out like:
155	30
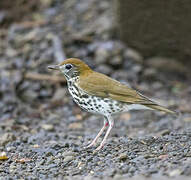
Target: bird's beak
54	67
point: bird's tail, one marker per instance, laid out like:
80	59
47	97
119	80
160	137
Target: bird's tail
161	108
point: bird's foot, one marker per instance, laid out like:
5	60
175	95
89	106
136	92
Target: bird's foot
93	144
90	145
99	147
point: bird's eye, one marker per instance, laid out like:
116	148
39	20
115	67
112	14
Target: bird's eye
68	66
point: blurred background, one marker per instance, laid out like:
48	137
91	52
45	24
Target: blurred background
145	44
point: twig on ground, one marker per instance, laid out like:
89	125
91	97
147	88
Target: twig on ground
44	77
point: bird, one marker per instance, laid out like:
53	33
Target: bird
99	94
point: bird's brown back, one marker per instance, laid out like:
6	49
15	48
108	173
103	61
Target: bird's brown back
101	85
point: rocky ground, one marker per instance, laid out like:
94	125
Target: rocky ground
43	133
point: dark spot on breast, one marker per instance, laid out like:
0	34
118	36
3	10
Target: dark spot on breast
77	100
120	105
85	96
69	83
75	93
89	101
76	88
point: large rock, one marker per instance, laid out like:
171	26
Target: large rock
158	27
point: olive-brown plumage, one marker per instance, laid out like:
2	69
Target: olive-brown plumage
100	94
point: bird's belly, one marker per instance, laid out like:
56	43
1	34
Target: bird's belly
99	105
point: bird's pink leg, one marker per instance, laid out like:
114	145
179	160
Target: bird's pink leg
111	123
99	134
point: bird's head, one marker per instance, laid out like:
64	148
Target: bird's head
72	68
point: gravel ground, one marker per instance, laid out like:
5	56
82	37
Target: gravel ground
43	133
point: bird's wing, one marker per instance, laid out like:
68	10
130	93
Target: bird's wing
98	84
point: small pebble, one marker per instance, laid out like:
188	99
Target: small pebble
101	56
47	127
75	126
6	138
123	156
68	158
175	172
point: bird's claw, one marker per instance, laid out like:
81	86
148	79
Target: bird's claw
90	145
98	148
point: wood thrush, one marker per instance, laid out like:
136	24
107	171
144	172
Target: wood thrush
99	94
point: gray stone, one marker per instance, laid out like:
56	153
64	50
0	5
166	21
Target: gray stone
47	127
101	56
6	138
68	158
